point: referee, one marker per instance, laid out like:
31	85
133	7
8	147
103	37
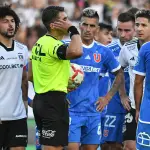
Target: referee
50	66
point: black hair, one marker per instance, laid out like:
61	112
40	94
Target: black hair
5	10
143	13
133	10
125	17
90	13
105	26
49	15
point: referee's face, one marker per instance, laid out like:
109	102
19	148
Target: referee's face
7	27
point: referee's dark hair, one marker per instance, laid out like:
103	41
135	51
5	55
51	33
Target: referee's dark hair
50	14
5	10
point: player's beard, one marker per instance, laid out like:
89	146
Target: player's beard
7	35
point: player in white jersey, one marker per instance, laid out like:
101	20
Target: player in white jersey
13	83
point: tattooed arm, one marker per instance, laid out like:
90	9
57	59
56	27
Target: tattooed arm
103	101
24	87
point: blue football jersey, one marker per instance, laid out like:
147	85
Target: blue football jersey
142	68
115	105
94	58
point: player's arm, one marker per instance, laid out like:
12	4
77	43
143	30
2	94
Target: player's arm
138	92
74	49
30	74
114	67
24	87
122	91
140	72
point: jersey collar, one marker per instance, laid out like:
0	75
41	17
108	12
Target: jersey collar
88	46
6	48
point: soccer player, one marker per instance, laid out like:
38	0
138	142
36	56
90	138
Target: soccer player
50	68
13	83
85	118
114	119
142	71
128	57
104	34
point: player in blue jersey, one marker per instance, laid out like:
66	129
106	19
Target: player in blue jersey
104	36
113	125
142	71
85	104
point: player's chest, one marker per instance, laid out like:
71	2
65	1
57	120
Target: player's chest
132	57
11	60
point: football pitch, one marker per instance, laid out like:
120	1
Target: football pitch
31	134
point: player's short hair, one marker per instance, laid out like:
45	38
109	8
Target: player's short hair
105	26
133	10
50	14
143	13
90	13
125	17
5	10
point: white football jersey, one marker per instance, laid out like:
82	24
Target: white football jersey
12	62
128	57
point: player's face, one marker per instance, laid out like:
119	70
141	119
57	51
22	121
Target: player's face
142	27
104	36
63	16
7	27
125	31
88	27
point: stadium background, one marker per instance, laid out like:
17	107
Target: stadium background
31	27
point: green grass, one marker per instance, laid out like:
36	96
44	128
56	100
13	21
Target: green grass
31	123
30	147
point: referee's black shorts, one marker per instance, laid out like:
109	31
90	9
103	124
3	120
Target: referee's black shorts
130	126
52	118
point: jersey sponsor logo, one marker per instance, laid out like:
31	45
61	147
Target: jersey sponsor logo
97	57
114	48
131	47
90	69
12	66
2	58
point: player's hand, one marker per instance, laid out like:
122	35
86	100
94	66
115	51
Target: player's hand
125	102
62	25
137	116
101	103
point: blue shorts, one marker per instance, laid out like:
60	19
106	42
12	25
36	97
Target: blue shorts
143	136
85	129
113	128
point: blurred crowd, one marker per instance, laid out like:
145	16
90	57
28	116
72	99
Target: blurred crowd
29	11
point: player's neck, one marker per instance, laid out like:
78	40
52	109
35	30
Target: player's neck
87	42
144	41
55	35
6	41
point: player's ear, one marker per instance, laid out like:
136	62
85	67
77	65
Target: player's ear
52	25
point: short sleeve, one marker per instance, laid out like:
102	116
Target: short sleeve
122	57
26	55
53	49
111	62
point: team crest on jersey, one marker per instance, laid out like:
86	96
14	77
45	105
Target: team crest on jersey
106	133
20	56
97	57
